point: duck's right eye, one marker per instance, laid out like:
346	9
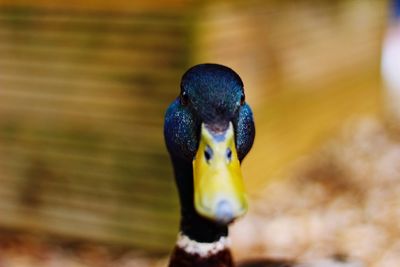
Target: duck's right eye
184	99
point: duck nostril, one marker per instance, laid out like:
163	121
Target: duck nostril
208	153
229	154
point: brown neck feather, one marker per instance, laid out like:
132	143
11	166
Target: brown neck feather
181	258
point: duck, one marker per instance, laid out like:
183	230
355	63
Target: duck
208	130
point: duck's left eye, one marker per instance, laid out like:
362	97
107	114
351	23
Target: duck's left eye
242	99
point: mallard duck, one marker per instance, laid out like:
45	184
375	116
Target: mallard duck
208	130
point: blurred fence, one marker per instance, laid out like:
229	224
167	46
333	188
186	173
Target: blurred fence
82	98
83	92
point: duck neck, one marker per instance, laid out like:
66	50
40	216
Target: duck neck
190	253
200	229
201	242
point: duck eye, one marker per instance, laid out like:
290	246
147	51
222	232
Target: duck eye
242	99
184	99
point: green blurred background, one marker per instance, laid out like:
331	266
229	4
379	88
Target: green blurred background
84	87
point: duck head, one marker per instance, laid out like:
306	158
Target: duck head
208	131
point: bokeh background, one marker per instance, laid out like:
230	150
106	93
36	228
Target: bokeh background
85	179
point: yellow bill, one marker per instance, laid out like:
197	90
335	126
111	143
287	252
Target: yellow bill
218	183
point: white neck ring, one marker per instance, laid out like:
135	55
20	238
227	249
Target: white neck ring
202	249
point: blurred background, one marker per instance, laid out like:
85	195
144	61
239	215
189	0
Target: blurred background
85	179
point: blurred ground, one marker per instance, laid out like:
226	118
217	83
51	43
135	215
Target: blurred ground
341	200
28	250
